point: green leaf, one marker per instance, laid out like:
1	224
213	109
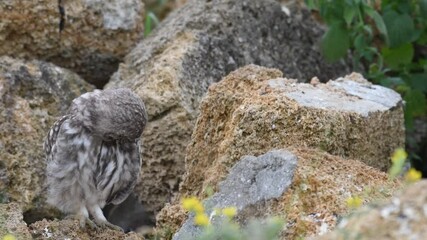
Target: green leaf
336	42
360	42
418	81
311	4
416	104
396	168
147	25
396	57
349	13
422	40
379	22
404	6
150	22
400	28
368	30
392	82
423	8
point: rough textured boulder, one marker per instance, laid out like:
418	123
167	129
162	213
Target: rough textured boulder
403	217
33	94
254	109
70	229
196	46
12	222
95	35
247	187
315	199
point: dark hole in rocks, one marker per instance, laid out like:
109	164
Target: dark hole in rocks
130	215
37	214
99	74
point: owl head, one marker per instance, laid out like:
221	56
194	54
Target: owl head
113	114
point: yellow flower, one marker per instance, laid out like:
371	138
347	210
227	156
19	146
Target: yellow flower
229	212
354	202
413	175
192	204
8	237
398	161
399	155
201	220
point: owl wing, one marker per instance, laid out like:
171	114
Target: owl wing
52	136
118	168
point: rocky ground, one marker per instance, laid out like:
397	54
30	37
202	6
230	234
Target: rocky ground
241	113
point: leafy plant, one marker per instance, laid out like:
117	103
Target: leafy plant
224	226
398	160
387	40
151	19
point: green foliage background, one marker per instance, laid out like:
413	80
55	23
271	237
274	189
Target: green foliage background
387	40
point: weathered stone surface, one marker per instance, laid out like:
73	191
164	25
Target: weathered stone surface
195	46
162	10
96	35
11	222
254	108
403	217
251	182
70	229
33	94
314	201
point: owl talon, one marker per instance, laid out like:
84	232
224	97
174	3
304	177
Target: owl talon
111	226
83	221
89	223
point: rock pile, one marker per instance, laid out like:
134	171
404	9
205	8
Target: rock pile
196	46
254	110
89	37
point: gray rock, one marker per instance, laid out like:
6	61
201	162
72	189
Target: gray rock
32	95
348	94
251	181
404	216
196	46
11	222
89	37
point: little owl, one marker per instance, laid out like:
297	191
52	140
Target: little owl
93	153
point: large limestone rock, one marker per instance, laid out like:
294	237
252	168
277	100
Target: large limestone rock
254	108
196	46
403	217
312	203
12	222
95	35
33	94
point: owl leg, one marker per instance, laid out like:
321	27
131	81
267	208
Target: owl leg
100	219
83	217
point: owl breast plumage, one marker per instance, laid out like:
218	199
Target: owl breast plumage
92	153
